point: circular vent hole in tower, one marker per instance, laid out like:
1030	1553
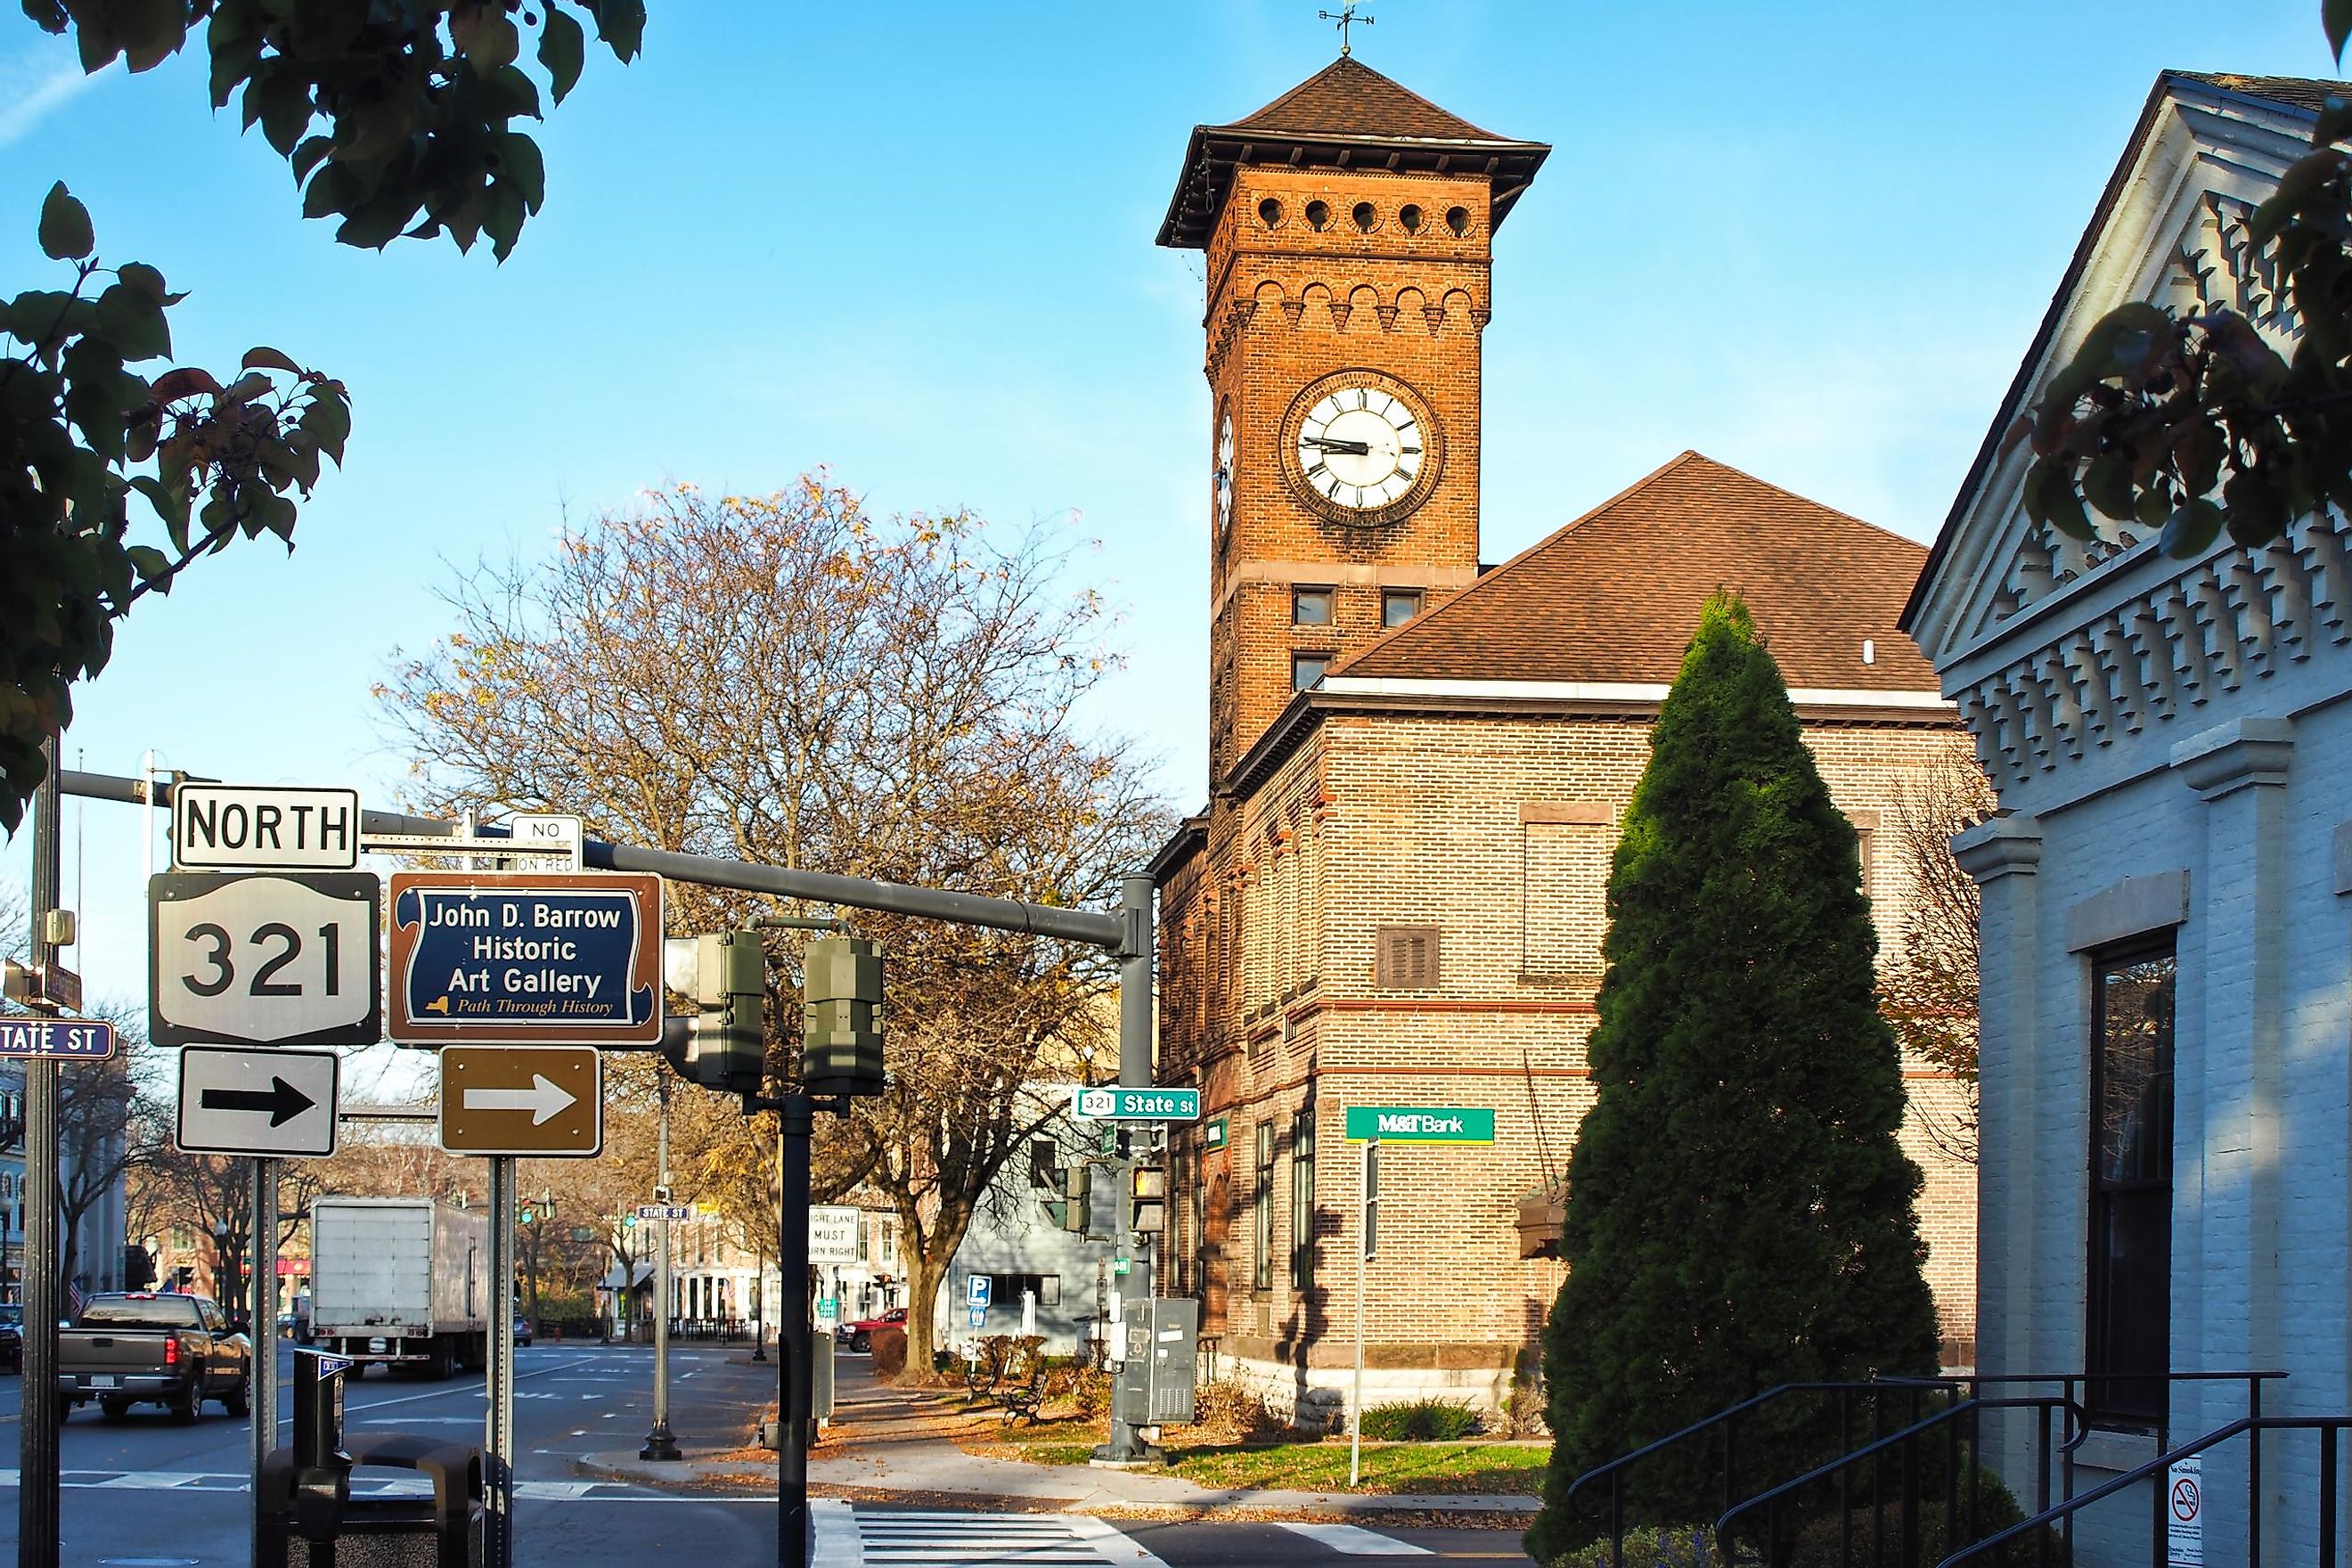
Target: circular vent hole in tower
1410	216
1364	217
1269	212
1318	214
1458	219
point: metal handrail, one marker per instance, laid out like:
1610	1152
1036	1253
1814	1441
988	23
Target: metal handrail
1613	1471
2327	1426
1971	1409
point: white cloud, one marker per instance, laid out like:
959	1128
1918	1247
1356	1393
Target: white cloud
35	83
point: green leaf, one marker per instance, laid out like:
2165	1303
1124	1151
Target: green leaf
268	359
2064	507
146	279
2336	17
2335	119
2257	512
621	23
2191	528
519	163
65	225
188	381
305	157
151	31
562	50
2108	485
133	322
150	563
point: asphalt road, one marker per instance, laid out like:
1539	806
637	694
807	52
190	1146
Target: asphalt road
146	1493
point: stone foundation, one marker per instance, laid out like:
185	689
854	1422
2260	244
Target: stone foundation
1309	1386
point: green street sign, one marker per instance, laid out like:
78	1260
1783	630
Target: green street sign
1213	1135
1113	1104
1420	1124
1120	1266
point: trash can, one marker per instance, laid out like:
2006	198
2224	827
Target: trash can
309	1518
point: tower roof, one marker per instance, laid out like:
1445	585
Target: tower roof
1347	115
1612	596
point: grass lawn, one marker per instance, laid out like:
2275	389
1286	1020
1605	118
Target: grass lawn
1320	1466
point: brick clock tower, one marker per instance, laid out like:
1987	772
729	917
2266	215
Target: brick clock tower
1348	230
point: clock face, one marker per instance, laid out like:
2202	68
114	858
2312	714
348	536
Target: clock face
1363	448
1225	474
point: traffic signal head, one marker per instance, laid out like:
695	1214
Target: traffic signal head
842	993
1077	1185
723	1044
1150	1214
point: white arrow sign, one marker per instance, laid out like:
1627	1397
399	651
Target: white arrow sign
545	1099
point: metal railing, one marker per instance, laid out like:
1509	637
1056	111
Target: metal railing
2329	1531
1904	1462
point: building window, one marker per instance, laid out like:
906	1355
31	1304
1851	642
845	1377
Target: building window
1404	958
1262	1207
1005	1290
1311	606
1399	606
1302	1202
2130	1274
1306	670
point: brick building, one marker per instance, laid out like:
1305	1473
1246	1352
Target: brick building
1394	896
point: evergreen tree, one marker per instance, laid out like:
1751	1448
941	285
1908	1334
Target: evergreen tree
1739	1214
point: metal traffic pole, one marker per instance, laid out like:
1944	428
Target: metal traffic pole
499	1419
795	1348
261	1328
1367	1179
660	1444
36	1428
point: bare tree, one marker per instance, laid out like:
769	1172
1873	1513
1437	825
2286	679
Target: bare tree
791	681
1928	991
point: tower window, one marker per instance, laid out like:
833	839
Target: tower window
1269	212
1458	220
1365	217
1410	216
1318	215
1399	606
1311	606
1306	670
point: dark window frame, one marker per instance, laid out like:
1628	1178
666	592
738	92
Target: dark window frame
1261	1208
1321	661
1391	597
1301	594
2128	1320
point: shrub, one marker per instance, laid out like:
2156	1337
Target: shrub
1819	1542
1429	1420
889	1353
1666	1546
1226	1406
1090	1393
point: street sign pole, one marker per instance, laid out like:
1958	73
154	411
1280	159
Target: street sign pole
1135	1071
499	1419
1368	1176
36	1430
262	1330
659	1443
796	1350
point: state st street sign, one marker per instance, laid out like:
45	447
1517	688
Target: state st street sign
525	958
1420	1124
1111	1103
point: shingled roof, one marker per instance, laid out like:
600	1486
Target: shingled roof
1347	115
1615	595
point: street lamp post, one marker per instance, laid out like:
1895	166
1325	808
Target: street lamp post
659	1443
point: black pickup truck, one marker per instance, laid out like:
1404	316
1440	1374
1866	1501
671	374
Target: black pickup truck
145	1347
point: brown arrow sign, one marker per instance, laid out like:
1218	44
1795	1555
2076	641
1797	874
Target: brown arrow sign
545	1101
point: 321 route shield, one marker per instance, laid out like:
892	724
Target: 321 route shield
525	958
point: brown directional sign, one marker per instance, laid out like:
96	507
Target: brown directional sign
545	1101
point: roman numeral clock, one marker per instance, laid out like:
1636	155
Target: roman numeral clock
1361	448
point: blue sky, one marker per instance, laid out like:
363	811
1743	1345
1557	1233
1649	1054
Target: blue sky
913	242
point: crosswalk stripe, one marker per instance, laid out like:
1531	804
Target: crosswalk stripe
1355	1541
914	1536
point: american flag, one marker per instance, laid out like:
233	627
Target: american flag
73	1299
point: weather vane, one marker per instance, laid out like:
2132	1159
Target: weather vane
1346	17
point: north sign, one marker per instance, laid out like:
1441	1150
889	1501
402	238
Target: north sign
268	1102
546	1101
265	959
1114	1104
1420	1124
68	1040
485	958
270	827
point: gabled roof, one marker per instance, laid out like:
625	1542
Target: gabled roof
1346	115
1614	596
2305	96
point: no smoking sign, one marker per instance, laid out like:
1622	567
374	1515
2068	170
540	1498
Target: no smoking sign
2184	1524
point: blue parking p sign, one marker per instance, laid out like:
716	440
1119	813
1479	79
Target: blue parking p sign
976	1290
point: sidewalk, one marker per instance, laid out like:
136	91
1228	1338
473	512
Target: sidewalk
885	1443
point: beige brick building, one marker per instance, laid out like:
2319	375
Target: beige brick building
1394	896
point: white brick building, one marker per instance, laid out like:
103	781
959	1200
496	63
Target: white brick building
2167	946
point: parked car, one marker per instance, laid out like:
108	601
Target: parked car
143	1347
12	1338
859	1335
522	1331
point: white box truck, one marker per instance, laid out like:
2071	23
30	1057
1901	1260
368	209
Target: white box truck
400	1282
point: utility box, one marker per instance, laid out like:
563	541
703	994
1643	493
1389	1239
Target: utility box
1160	1346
